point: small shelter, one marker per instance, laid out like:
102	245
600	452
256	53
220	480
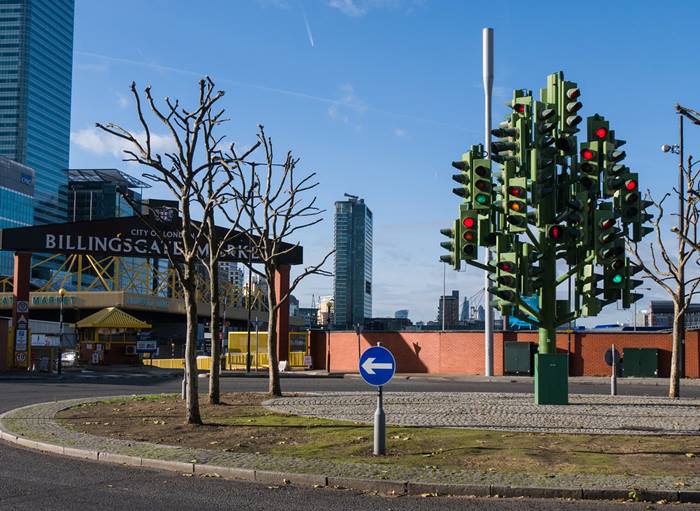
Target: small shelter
109	336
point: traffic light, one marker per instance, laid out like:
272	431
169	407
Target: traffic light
628	296
482	192
639	230
515	203
469	233
463	178
589	167
587	284
569	105
507	283
628	200
453	246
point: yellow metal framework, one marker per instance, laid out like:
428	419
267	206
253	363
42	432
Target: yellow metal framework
133	275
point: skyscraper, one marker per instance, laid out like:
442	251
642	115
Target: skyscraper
16	195
36	63
353	262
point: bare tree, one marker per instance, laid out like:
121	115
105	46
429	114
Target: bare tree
667	266
180	171
278	204
214	189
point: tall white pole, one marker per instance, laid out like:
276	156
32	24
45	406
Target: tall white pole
488	89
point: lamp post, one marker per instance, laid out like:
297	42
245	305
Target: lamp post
61	294
693	117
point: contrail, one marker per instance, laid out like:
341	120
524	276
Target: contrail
264	88
308	27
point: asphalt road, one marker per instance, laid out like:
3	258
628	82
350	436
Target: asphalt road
35	481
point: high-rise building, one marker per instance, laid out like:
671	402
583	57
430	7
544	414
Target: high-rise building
465	315
449	306
401	314
36	64
352	289
95	194
16	195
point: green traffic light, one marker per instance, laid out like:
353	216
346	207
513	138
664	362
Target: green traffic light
617	278
481	198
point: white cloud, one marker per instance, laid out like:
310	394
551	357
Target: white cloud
122	100
348	106
347	7
400	132
96	141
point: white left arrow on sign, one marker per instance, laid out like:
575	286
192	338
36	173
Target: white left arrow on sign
370	365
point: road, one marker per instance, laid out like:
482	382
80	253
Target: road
35	481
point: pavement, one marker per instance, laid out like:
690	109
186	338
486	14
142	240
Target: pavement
34	480
35	427
590	414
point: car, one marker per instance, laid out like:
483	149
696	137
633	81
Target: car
69	358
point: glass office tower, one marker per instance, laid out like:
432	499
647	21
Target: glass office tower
353	263
16	195
36	60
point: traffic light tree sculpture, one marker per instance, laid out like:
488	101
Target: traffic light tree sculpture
552	211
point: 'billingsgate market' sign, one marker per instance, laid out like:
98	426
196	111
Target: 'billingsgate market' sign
126	237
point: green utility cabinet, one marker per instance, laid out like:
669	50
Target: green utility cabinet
518	358
551	379
640	362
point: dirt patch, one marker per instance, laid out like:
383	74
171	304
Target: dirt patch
241	424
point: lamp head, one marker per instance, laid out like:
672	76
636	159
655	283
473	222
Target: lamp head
62	292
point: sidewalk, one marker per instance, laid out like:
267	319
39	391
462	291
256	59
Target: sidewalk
34	427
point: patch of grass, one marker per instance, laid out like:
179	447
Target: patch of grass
241	424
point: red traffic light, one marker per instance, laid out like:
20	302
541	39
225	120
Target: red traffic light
519	107
555	232
468	236
481	171
631	185
607	223
601	132
469	222
516	191
587	154
573	93
505	266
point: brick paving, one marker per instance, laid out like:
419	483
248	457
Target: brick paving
36	422
591	414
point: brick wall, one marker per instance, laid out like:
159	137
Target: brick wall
463	352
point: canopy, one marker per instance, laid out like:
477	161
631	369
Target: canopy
111	317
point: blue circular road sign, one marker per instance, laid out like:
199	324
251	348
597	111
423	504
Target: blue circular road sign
377	365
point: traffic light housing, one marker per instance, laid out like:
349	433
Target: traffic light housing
628	200
515	203
469	233
453	258
482	188
569	105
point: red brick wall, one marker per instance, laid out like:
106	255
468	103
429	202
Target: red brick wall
463	352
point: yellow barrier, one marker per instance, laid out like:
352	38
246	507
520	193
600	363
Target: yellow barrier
165	363
238	345
237	361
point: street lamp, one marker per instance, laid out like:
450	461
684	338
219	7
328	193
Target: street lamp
61	294
693	117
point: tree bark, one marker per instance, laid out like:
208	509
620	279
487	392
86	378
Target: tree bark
274	385
215	371
191	395
675	381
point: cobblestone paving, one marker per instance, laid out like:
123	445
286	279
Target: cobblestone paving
507	412
36	422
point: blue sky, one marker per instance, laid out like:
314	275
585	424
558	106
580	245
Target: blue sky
379	96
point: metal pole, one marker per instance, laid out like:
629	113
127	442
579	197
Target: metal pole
250	272
487	35
444	292
613	376
257	342
379	423
681	248
59	364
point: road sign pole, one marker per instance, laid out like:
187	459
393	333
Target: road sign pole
379	425
487	41
613	376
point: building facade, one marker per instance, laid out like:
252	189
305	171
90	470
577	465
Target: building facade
94	194
352	289
36	63
449	307
16	208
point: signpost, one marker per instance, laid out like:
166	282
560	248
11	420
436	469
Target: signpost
612	358
377	367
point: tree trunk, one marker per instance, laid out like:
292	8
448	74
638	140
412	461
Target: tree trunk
675	381
274	385
191	395
215	371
